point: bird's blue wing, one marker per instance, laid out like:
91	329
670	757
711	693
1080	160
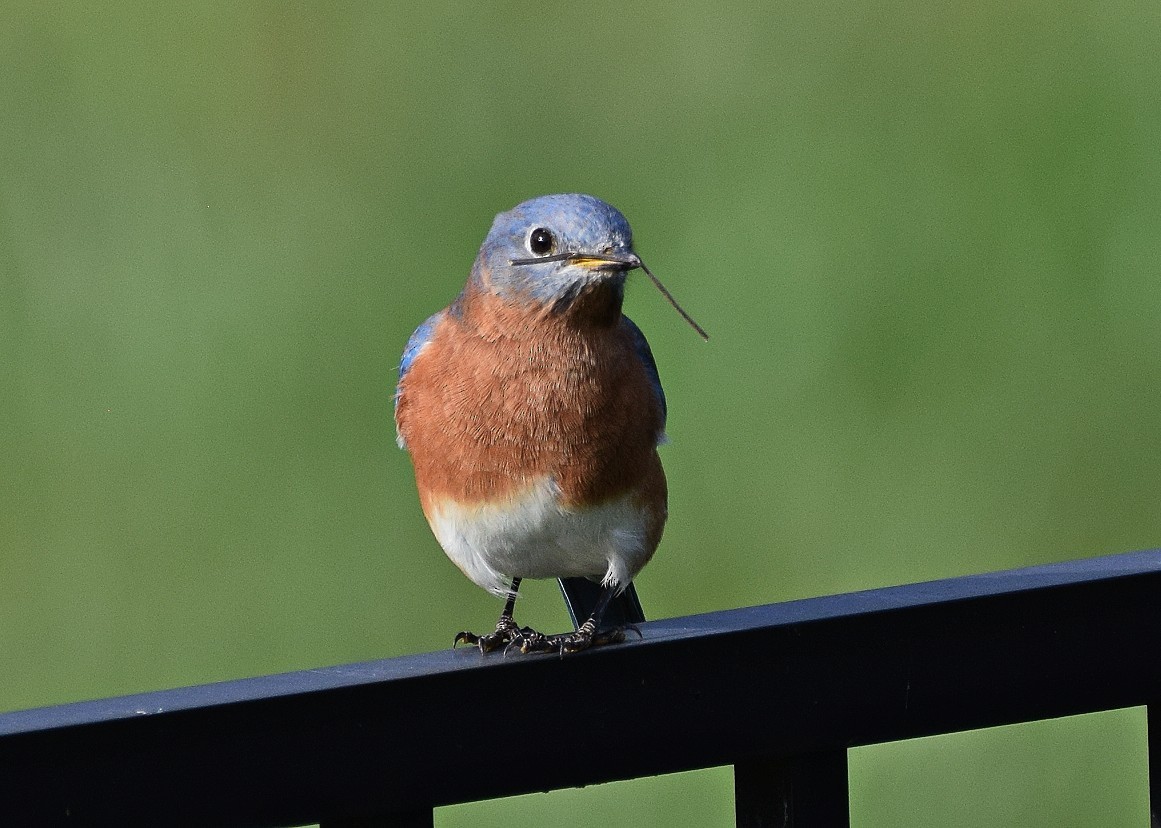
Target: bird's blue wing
417	341
415	344
641	345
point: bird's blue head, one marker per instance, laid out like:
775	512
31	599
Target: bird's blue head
549	249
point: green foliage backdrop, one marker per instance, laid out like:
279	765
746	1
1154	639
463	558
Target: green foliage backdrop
925	240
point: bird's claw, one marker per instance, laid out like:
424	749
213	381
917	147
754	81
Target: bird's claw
505	634
565	643
513	638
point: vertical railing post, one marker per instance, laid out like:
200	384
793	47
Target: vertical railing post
409	819
808	791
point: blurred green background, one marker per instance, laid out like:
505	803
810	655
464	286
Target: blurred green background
924	238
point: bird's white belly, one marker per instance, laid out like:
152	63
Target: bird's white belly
533	536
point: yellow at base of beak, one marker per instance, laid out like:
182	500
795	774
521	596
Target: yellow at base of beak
596	264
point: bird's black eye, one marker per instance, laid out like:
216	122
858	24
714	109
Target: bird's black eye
541	241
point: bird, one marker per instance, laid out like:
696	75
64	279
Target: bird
532	410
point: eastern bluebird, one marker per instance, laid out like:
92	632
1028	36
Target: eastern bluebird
532	410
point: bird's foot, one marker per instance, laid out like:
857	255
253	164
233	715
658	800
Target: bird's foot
505	634
530	641
513	638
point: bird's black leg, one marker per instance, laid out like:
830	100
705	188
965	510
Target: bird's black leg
506	629
586	635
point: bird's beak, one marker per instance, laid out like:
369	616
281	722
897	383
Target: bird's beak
602	261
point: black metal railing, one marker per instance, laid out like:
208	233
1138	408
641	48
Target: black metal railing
779	692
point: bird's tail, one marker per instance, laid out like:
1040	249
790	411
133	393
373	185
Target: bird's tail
581	596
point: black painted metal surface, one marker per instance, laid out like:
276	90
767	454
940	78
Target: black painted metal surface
800	792
746	687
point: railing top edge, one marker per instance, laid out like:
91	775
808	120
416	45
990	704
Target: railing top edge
401	668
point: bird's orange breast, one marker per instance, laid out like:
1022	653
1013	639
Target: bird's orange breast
503	396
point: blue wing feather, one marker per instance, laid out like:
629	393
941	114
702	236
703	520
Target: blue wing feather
419	338
642	347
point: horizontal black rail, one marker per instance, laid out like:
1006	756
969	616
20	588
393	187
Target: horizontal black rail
778	691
